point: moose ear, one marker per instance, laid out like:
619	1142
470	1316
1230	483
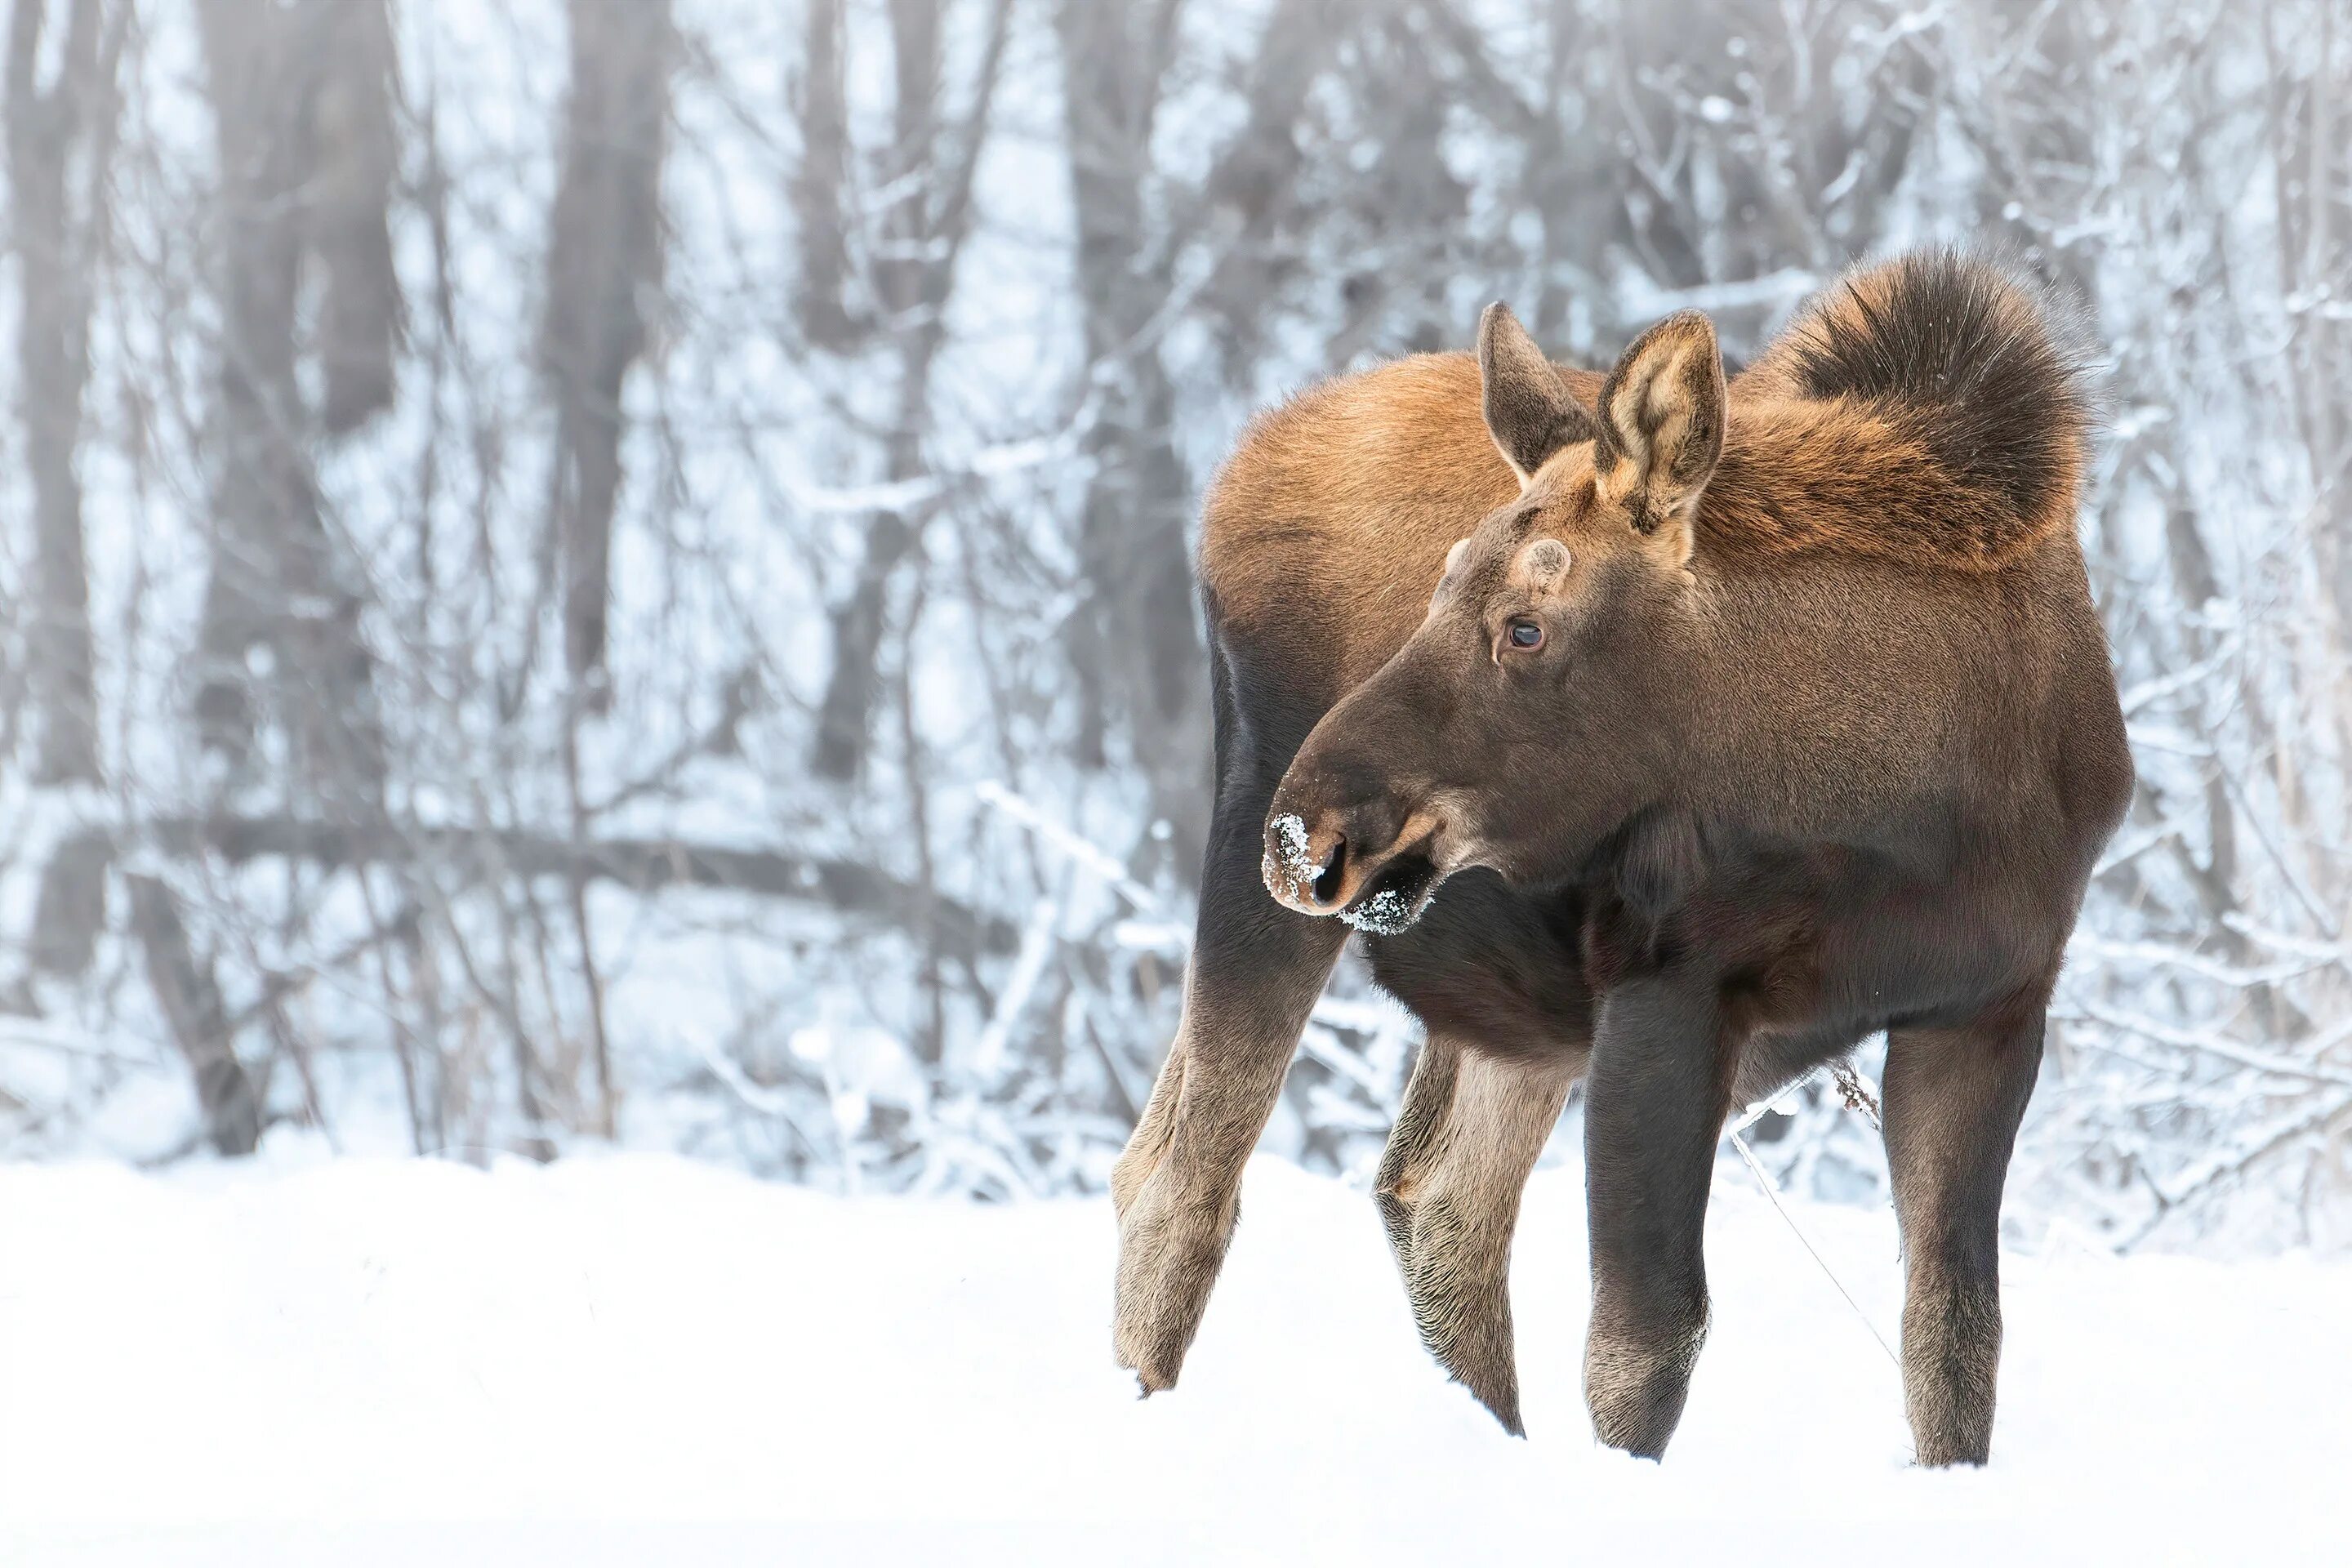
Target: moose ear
1529	411
1662	418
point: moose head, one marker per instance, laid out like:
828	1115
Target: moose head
1531	711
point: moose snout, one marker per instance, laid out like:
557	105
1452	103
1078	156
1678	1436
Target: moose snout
1307	866
1320	854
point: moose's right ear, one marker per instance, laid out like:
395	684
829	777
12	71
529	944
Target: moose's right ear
1529	410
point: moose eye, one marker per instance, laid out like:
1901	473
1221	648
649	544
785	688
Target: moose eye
1524	636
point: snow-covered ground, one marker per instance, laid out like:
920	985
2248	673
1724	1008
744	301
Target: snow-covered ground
639	1359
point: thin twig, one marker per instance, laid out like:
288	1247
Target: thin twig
1764	1185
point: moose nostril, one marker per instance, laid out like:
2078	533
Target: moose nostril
1328	880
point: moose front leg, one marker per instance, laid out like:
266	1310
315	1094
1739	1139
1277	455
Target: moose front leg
1655	1103
1256	970
1953	1102
1449	1189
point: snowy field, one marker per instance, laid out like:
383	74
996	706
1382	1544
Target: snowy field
641	1359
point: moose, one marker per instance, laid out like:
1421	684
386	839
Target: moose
1668	733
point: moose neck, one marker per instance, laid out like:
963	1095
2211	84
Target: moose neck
1826	681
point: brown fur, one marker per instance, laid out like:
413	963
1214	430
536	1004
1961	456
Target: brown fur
1348	496
1953	1102
1449	1188
1176	1188
1959	356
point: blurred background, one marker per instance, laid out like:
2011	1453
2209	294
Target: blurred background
619	569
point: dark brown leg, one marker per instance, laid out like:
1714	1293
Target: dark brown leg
1449	1189
1653	1111
1256	970
1953	1101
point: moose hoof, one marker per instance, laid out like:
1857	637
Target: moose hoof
1636	1386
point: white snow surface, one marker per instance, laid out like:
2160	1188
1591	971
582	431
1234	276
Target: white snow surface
639	1359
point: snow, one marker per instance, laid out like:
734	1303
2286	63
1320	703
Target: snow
359	1361
1385	913
1295	866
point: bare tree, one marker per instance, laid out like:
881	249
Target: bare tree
291	177
603	273
60	148
926	174
1135	651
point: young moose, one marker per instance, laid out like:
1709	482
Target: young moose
1735	724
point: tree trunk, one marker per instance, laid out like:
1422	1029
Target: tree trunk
70	125
603	269
275	583
1135	647
820	183
191	1001
923	231
353	159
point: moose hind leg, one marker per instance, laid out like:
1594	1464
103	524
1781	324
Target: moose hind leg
1256	970
1953	1102
1449	1189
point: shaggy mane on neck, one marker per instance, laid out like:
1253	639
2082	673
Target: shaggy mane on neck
1923	410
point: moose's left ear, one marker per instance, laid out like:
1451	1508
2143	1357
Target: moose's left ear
1661	412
